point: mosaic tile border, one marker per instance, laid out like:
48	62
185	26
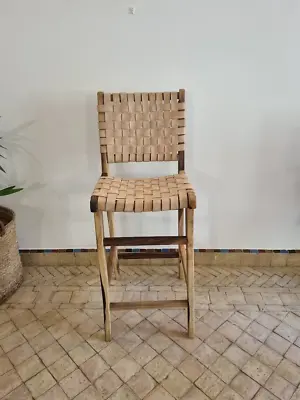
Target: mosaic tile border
203	257
166	250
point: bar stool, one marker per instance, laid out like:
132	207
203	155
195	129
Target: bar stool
143	127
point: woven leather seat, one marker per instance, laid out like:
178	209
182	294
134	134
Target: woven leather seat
140	195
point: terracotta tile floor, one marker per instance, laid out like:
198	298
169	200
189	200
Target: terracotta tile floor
247	342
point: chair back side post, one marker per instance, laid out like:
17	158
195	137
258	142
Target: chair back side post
140	127
101	118
181	161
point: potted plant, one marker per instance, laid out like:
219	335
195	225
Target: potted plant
11	274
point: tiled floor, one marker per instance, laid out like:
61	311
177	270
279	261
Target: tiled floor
247	342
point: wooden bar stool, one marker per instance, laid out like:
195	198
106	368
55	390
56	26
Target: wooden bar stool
140	127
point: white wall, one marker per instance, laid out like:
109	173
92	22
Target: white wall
240	64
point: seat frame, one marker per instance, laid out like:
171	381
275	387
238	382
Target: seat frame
110	265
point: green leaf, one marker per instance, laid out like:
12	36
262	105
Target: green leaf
9	187
9	190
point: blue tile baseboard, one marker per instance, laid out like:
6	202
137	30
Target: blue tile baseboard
205	257
136	250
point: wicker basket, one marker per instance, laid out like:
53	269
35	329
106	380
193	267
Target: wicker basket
11	272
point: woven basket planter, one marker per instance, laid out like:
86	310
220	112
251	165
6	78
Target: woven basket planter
11	272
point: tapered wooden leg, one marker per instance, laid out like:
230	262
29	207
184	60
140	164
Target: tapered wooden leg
180	233
98	216
190	271
113	255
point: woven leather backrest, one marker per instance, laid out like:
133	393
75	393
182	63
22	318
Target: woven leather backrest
141	126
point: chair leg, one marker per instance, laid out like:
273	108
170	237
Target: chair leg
98	217
190	271
113	255
180	233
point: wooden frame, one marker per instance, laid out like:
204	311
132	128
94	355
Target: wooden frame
184	239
